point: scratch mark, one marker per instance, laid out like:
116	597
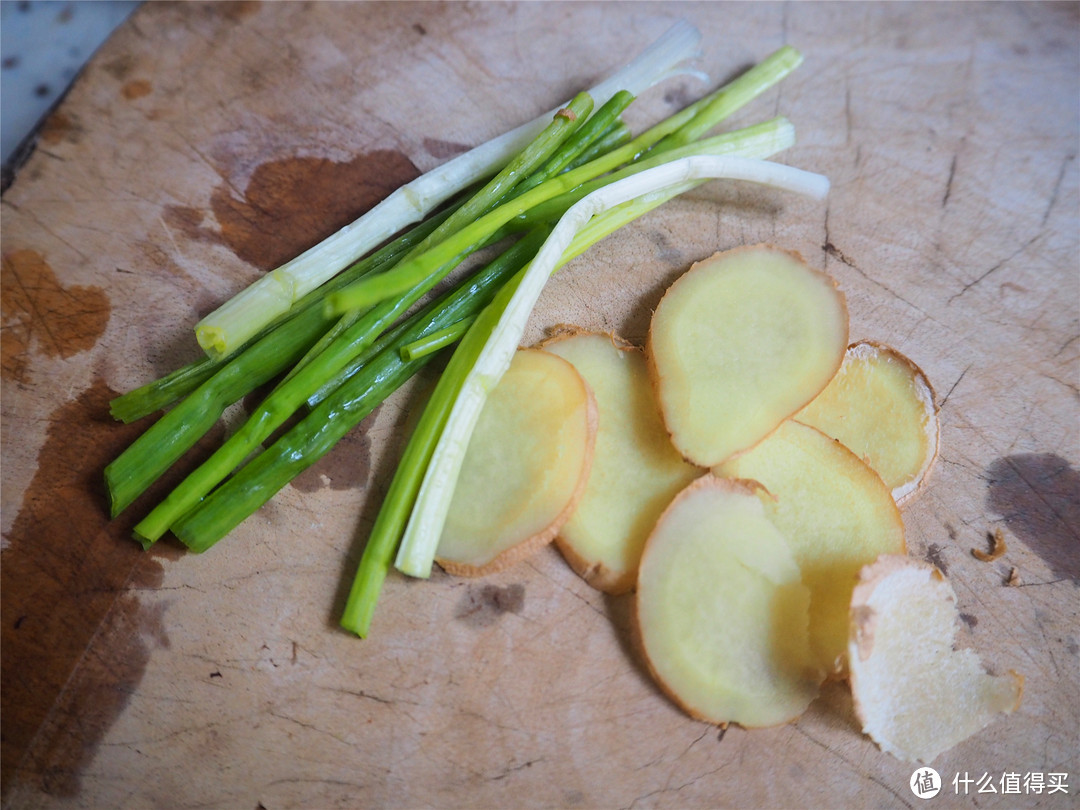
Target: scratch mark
952	388
851	765
1057	188
949	182
996	267
516	768
847	115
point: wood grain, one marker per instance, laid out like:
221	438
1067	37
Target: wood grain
204	142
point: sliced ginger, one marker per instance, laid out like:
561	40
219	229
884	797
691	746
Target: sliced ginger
525	467
635	471
739	343
836	514
721	611
914	693
881	405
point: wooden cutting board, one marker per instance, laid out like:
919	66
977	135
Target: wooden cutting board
204	144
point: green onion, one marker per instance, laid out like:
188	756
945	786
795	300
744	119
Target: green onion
356	341
436	340
312	437
172	387
234	323
696	118
421	537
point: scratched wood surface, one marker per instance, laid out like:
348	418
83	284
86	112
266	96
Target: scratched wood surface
206	143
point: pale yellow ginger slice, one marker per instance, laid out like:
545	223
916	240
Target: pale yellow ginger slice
525	467
739	343
635	472
836	514
881	405
721	611
915	694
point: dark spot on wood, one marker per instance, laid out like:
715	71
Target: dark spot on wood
573	798
291	204
678	97
120	67
933	556
720	736
65	15
969	619
10	62
136	88
70	574
837	254
215	674
951	530
19	622
39	312
240	9
418	28
1038	497
59	126
483	605
42	90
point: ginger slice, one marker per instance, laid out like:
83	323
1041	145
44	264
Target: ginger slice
836	514
916	695
635	471
525	467
739	343
721	612
881	405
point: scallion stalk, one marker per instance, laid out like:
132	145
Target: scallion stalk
393	516
656	144
235	322
355	343
420	540
312	437
436	341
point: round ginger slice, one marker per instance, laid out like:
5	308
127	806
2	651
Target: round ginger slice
721	611
525	467
881	406
635	471
916	695
738	344
836	514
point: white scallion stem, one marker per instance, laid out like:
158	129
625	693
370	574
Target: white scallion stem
228	327
419	544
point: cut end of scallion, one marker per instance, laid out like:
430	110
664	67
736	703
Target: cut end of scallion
212	339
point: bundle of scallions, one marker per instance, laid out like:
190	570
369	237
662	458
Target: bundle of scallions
343	326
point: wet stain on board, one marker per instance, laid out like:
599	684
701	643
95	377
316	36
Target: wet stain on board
444	150
74	640
40	312
933	556
1038	497
483	605
347	466
291	204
